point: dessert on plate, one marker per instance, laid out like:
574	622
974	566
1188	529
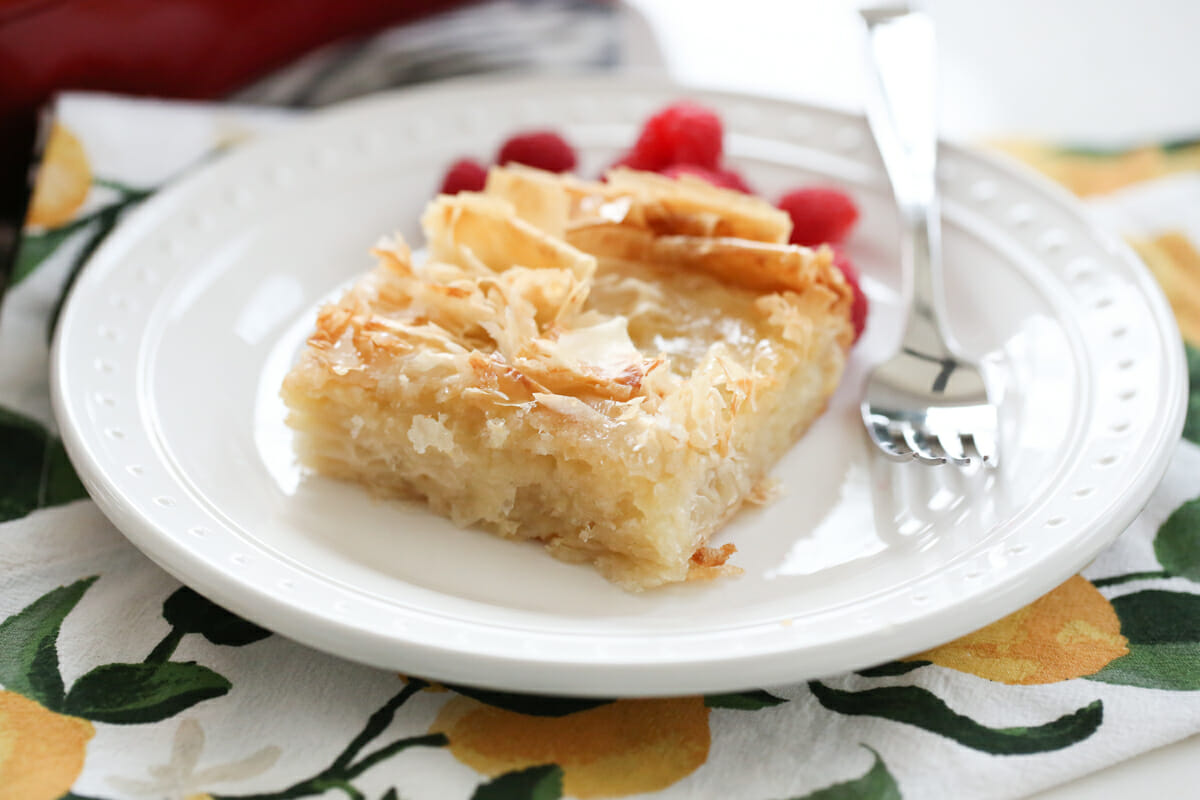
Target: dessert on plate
609	368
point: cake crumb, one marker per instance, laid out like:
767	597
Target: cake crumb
708	563
713	556
765	492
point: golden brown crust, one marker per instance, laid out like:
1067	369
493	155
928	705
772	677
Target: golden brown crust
713	556
758	266
689	206
708	563
684	206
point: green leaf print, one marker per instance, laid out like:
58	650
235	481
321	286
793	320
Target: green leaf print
1089	151
107	217
1175	145
1163	629
60	483
351	763
1174	666
743	701
534	783
923	709
1191	424
28	649
37	247
190	613
528	703
34	469
893	668
125	694
127	192
876	784
1177	544
1155	616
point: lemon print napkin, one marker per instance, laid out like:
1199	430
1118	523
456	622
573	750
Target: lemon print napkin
117	682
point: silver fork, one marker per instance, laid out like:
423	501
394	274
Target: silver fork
927	401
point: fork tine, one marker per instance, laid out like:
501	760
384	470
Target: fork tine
985	443
890	443
970	447
925	447
953	447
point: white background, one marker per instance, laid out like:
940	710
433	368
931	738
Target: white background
1086	70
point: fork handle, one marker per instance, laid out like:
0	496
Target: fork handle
902	112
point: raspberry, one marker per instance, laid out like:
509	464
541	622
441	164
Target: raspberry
634	160
724	178
464	175
819	214
542	149
858	308
682	133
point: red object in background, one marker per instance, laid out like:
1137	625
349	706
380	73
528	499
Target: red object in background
819	214
464	175
166	48
682	133
859	308
542	149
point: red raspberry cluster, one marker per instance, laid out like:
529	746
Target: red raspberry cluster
542	149
688	139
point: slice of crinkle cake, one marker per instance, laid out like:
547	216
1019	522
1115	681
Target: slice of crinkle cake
607	368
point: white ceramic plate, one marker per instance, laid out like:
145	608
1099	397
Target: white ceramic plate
172	347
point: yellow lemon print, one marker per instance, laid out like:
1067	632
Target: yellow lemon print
1088	174
1071	632
618	749
41	752
1175	262
63	181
